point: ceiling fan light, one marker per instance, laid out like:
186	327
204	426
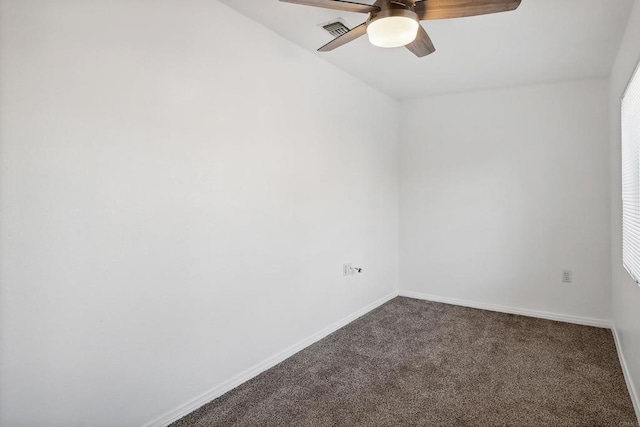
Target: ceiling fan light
392	31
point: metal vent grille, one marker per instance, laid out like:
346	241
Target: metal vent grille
336	28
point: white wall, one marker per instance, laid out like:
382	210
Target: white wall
625	293
180	188
501	191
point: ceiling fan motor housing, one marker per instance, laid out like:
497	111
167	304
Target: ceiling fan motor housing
392	12
392	27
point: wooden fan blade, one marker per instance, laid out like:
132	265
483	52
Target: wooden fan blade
346	6
422	45
350	36
443	9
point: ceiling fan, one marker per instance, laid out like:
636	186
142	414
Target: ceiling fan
395	23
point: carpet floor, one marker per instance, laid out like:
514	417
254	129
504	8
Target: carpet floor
419	363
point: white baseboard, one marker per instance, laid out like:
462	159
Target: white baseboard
635	398
234	382
588	321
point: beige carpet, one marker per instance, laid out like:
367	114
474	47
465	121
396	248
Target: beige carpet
417	363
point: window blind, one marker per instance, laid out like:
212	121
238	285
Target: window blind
631	177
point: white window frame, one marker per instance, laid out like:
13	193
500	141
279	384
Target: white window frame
630	156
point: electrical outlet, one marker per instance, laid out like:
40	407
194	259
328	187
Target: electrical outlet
347	270
566	276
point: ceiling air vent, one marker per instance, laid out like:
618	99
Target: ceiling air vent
336	28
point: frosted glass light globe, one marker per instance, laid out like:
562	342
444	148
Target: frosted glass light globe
392	31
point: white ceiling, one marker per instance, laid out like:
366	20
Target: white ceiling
542	41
